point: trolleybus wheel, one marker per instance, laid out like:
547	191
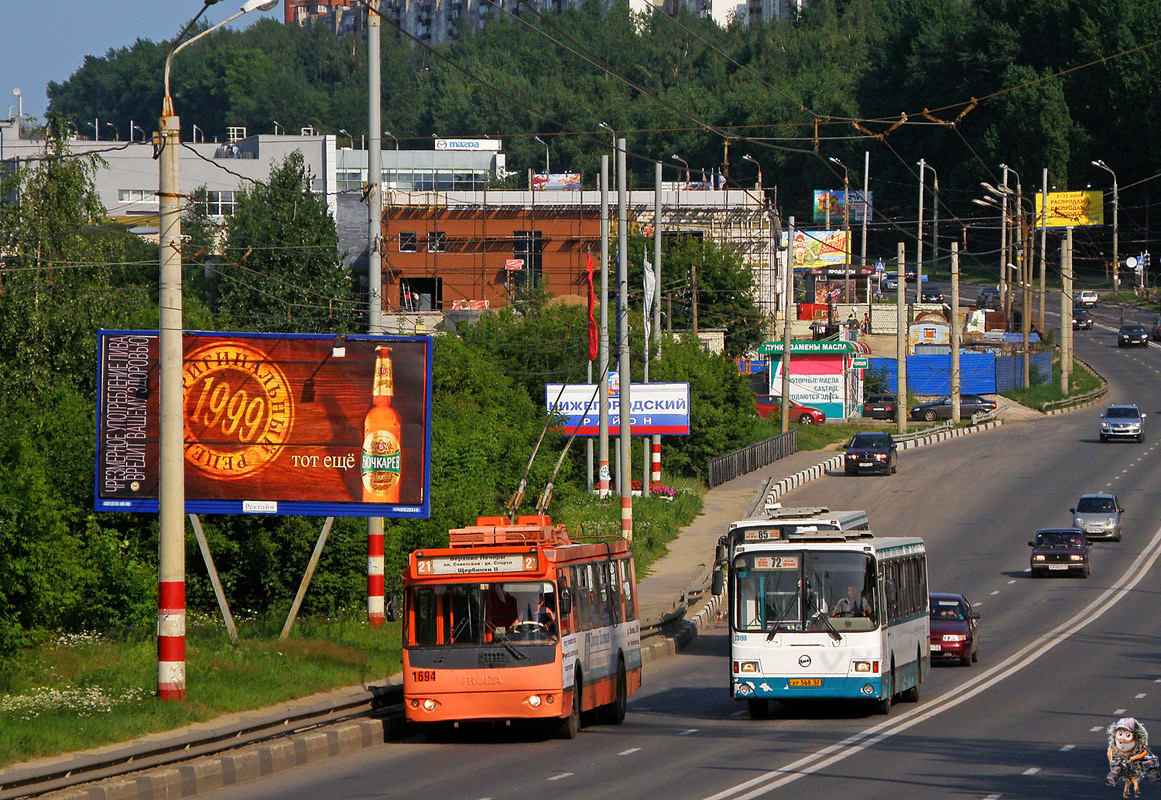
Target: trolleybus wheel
570	725
614	713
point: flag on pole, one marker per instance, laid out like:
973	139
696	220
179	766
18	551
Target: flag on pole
650	283
592	320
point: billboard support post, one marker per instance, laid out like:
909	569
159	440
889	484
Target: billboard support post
309	574
204	546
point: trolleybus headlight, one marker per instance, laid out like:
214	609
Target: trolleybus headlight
534	701
415	703
748	666
429	705
862	666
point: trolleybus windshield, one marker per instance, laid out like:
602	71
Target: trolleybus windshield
474	614
797	590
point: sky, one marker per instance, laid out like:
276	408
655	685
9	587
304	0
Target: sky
47	40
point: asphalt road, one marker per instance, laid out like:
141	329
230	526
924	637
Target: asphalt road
1060	658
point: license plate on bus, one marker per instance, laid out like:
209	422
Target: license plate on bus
805	681
1058	566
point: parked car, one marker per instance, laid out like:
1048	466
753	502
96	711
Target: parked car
1098	515
969	404
1132	335
988	297
880	406
770	405
871	452
1060	550
955	629
1086	298
1082	320
1157	330
931	294
890	282
1124	422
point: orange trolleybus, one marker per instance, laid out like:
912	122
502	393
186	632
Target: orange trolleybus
518	622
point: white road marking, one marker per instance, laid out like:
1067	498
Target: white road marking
739	714
1095	728
560	776
1012	581
688	732
1067	747
1031	770
996	592
1024	657
1142	694
628	752
1119	711
993	797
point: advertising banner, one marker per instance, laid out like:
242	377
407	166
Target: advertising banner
861	206
815	249
1072	209
657	408
567	181
273	424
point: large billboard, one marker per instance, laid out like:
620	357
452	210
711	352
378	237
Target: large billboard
657	408
1072	209
816	249
828	206
273	424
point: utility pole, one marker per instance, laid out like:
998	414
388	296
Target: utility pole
1005	293
866	217
918	244
624	375
901	349
376	612
603	476
1043	246
1023	275
787	304
955	372
1066	313
656	440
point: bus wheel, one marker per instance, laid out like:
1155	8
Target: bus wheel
570	725
614	713
884	706
759	709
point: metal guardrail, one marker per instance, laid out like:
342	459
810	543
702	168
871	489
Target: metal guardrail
748	459
112	763
1095	394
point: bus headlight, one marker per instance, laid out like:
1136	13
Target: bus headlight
748	666
534	701
429	705
862	666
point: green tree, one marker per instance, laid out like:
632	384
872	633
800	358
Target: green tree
282	268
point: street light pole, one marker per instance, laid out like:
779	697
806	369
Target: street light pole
1116	207
684	163
171	469
752	160
547	171
846	229
918	243
388	133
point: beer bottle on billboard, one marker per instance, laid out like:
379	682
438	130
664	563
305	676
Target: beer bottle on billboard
382	454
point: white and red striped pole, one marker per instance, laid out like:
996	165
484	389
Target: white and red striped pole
171	640
376	613
655	476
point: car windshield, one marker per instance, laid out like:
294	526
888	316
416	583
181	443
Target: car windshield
1059	539
1133	329
1121	412
869	440
1095	505
947	610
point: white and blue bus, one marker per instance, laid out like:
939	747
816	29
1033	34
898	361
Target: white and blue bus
832	615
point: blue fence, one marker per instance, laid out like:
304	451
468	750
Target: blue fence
980	373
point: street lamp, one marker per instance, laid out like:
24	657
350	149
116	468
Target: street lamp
347	133
1116	205
676	157
116	131
96	130
133	126
171	470
196	130
538	139
388	133
847	229
752	160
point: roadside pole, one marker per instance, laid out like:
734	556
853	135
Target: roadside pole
1066	313
901	346
625	378
955	374
603	339
787	304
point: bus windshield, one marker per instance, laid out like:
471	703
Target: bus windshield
474	614
811	591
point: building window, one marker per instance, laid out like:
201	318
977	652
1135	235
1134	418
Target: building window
408	242
135	195
219	204
528	245
437	241
421	294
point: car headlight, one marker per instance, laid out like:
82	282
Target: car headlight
1111	521
1075	557
954	637
1037	558
1078	522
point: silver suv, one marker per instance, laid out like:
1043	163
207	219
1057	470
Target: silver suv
1098	515
1124	422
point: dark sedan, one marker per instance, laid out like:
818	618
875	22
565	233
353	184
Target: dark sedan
931	294
955	629
1081	319
880	406
969	404
1060	550
1132	336
871	452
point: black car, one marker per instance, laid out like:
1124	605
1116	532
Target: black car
1082	320
1157	331
931	294
880	406
1132	335
871	452
1060	550
969	404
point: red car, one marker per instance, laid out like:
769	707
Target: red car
770	405
955	629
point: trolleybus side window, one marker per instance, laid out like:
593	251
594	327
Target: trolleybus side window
629	582
563	580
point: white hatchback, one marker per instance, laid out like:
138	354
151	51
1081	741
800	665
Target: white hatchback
1086	298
